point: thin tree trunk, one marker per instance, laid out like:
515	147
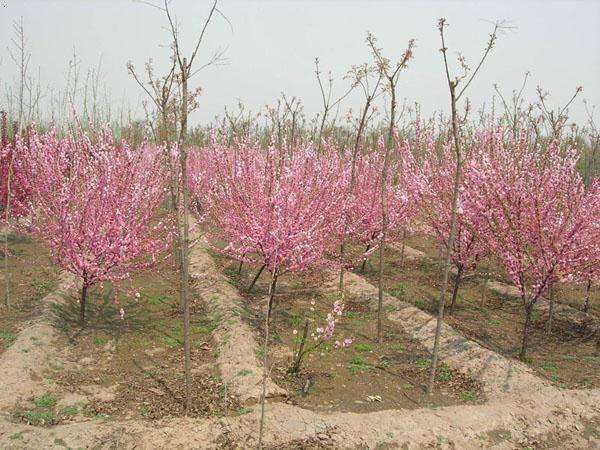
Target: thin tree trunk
586	303
484	291
6	272
383	194
82	304
364	263
526	326
455	290
550	312
7	219
239	271
266	360
450	244
380	293
256	277
359	133
403	247
298	359
184	250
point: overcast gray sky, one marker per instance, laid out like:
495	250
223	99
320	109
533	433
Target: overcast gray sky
273	45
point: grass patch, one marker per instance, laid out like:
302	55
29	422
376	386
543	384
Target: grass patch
69	411
37	418
17	436
362	347
444	373
422	363
45	401
7	337
396	347
207	325
398	290
99	341
171	341
357	364
549	366
468	396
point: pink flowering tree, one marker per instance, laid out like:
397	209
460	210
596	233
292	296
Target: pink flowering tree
402	195
467	249
95	205
274	209
530	206
277	208
13	194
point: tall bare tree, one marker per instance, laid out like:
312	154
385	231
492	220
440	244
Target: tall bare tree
391	74
363	77
183	69
467	76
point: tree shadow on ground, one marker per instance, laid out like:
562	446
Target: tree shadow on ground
102	313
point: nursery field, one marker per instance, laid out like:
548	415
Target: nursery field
292	297
567	355
363	278
367	376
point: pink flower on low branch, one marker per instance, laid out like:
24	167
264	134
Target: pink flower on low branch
531	208
95	204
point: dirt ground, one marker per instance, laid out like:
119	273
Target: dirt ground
367	376
131	367
118	384
566	356
32	275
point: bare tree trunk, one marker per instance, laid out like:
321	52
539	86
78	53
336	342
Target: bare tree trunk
526	326
298	359
359	133
364	262
455	290
384	212
550	311
450	244
256	277
452	83
266	359
82	304
403	248
586	303
185	238
6	233
484	291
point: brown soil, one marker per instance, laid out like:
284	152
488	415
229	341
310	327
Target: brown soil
365	377
574	295
32	276
133	367
566	356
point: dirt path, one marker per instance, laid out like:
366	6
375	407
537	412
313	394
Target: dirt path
237	358
561	311
499	376
522	411
562	420
24	363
